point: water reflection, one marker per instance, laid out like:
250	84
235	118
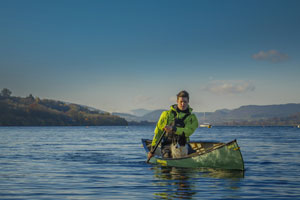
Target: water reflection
183	183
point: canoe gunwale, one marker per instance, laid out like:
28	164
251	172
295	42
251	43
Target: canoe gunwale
193	154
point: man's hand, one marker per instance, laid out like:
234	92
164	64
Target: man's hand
150	155
168	129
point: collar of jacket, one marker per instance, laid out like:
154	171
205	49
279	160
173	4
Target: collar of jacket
174	107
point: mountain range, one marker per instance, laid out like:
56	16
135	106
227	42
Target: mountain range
283	114
33	111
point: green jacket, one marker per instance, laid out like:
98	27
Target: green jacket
167	118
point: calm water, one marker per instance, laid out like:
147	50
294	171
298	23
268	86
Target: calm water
109	163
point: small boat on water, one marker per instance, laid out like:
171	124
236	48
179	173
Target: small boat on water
207	154
205	125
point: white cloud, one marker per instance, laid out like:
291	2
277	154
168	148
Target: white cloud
271	55
229	87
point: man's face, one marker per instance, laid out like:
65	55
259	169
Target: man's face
182	103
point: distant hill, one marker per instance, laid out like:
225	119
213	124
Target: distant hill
252	113
140	112
291	120
284	114
30	111
151	117
128	117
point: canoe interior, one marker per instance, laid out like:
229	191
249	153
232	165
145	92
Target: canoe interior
198	147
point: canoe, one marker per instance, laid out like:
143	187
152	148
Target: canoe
207	154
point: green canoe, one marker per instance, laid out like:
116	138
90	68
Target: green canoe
208	154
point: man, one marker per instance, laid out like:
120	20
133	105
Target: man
179	124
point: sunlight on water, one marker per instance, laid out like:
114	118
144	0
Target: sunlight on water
109	163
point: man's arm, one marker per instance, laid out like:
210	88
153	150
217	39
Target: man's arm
158	131
162	122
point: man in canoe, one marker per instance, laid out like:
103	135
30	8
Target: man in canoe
179	124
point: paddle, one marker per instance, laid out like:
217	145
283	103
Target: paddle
155	147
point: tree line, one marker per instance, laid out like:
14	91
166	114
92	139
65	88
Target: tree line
33	111
292	120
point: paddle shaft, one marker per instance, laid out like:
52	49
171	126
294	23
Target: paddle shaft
155	147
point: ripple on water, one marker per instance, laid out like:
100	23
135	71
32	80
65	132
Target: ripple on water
109	163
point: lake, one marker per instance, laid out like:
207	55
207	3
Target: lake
109	163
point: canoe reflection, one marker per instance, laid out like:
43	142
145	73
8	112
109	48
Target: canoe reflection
182	182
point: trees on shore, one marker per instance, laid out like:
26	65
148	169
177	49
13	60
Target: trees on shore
5	92
30	111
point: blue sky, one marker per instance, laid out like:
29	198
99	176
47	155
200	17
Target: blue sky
123	55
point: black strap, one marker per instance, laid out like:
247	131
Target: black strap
174	113
180	139
182	119
185	116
